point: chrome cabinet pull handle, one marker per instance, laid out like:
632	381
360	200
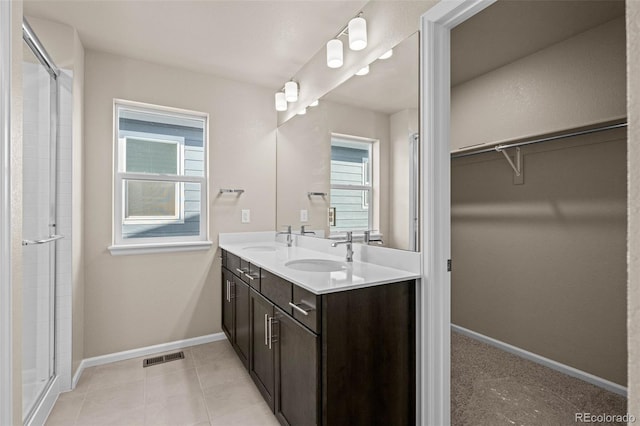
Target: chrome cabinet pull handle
249	276
49	239
266	333
241	271
270	331
228	300
301	307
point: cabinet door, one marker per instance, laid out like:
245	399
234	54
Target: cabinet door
297	372
227	304
241	320
261	359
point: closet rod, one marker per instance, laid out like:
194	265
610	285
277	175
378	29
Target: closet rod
499	148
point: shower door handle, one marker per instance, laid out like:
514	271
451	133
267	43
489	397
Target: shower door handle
42	241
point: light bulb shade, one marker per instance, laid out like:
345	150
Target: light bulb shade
334	53
357	33
363	71
314	103
303	111
387	54
291	91
281	102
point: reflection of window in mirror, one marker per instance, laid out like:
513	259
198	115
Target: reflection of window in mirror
351	183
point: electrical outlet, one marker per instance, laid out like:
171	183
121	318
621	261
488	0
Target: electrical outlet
304	215
246	215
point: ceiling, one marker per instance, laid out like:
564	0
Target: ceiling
266	42
261	42
510	30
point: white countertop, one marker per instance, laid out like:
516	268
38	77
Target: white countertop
356	274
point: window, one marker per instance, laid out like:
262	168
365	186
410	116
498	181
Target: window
160	179
351	187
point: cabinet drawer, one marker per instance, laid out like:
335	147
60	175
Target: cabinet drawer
309	303
233	263
223	257
277	290
256	274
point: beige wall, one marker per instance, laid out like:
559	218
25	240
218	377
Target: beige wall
633	146
402	125
576	82
304	162
16	205
139	300
542	265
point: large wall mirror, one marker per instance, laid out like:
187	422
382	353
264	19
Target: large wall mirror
351	162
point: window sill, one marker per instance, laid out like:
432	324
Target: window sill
120	250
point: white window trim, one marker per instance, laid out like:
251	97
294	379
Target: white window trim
365	186
121	246
124	175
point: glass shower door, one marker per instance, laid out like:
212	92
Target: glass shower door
38	229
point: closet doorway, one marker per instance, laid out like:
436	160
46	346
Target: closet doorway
527	198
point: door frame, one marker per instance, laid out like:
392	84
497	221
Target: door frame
6	313
435	297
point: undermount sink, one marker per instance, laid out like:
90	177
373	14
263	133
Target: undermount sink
316	265
260	248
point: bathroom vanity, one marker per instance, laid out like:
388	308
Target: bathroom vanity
325	341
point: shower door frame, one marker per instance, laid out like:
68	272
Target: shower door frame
6	298
44	402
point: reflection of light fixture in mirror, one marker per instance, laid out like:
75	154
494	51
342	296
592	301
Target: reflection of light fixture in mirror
303	111
314	103
334	53
387	54
363	71
281	102
291	91
357	33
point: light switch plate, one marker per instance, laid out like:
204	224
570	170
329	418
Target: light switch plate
304	215
246	215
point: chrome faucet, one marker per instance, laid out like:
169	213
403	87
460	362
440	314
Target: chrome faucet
303	231
369	239
349	243
288	234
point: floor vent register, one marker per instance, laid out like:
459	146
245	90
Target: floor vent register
162	359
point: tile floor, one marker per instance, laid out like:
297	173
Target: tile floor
209	387
490	387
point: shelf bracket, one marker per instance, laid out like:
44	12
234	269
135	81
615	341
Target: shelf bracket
518	178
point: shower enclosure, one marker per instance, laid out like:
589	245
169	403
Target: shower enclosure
40	134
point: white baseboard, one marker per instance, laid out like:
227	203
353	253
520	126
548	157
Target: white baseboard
148	350
554	365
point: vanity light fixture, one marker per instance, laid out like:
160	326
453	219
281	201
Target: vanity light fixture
291	91
281	102
363	71
387	54
314	103
334	53
303	111
357	33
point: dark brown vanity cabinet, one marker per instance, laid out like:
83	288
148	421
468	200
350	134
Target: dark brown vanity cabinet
235	313
342	358
297	372
261	360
